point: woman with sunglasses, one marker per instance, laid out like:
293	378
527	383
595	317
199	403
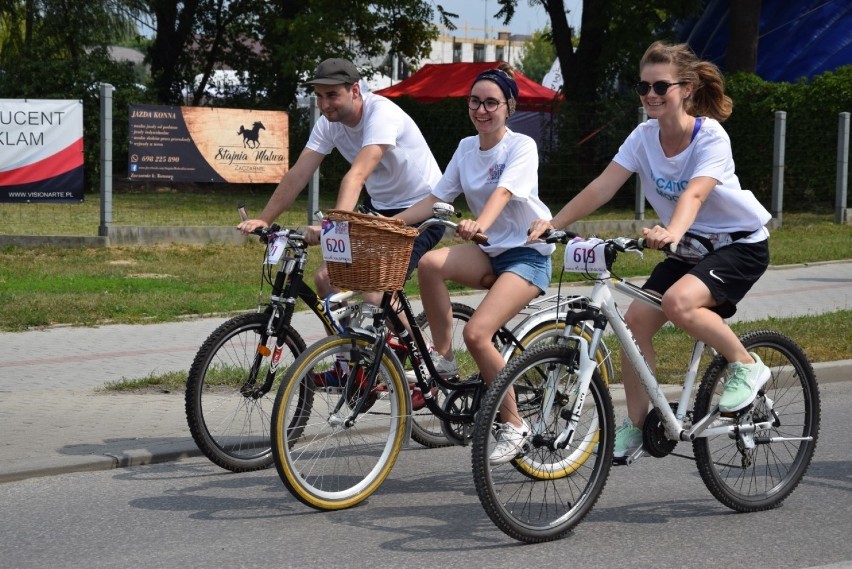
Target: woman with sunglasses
497	171
683	156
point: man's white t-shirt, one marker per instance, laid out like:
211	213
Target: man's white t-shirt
407	172
511	164
728	208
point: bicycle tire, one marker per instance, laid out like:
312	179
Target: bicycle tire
569	481
426	428
231	428
324	463
776	467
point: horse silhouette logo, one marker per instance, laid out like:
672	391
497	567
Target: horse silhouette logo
251	137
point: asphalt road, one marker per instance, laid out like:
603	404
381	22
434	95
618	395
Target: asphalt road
655	514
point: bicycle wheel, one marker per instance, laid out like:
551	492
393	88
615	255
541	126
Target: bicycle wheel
760	478
426	428
325	462
543	493
228	403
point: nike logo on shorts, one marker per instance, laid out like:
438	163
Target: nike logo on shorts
717	277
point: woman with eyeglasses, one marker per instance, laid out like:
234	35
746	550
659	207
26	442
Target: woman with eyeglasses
683	156
497	172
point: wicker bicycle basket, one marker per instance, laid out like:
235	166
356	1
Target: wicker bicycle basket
381	249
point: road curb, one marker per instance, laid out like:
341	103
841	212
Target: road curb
39	467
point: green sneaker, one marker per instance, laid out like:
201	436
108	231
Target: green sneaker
627	439
742	385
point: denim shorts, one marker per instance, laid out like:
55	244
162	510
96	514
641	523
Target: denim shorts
527	263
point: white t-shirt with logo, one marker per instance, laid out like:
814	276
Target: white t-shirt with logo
728	208
407	172
511	164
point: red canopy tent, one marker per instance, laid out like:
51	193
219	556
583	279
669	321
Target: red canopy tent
438	81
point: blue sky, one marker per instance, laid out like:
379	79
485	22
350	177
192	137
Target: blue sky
527	19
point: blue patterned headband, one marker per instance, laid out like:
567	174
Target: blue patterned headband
502	79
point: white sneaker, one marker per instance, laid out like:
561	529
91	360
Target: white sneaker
511	442
444	367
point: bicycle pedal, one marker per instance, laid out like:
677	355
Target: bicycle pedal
629	459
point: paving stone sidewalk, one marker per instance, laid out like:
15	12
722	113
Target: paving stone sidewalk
53	420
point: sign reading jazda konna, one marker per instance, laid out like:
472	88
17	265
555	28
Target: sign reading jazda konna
206	144
41	150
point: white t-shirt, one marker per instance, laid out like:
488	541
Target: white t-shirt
512	164
728	208
407	171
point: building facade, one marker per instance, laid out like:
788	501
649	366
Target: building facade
471	44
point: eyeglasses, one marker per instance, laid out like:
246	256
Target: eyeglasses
473	103
660	87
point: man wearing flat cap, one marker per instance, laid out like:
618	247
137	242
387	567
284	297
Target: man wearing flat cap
387	152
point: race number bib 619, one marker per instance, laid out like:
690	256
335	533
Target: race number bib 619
585	256
334	241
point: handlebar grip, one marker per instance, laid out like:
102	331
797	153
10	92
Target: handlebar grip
265	232
557	236
480	239
643	244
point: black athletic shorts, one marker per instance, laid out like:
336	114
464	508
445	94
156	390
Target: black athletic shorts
422	243
729	273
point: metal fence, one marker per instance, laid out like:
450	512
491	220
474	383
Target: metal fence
122	213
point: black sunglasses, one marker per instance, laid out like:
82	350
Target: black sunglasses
660	87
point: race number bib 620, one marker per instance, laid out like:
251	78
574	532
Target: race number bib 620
334	241
585	256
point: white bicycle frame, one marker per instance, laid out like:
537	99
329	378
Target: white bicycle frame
602	299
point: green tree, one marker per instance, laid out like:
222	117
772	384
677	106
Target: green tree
539	54
744	27
612	37
57	49
59	29
276	44
299	34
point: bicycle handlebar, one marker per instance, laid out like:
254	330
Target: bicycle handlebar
441	219
620	243
479	238
265	232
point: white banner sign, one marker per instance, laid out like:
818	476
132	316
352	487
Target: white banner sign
41	150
